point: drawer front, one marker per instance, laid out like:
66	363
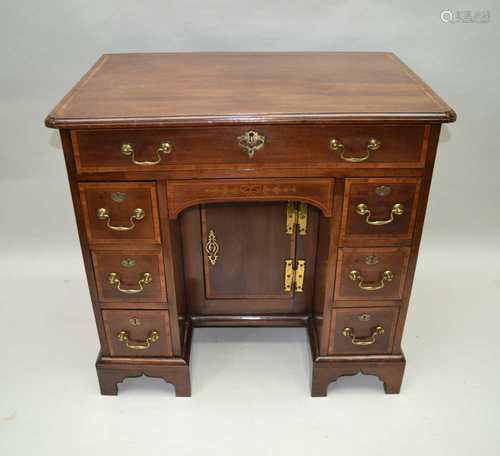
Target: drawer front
184	193
117	212
141	333
380	209
371	273
129	276
338	146
363	331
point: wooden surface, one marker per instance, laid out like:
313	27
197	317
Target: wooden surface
342	318
183	194
106	262
149	320
356	230
133	90
209	182
394	259
217	147
135	195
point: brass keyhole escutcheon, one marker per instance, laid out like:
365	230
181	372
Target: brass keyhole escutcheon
134	321
118	197
371	259
251	141
364	317
212	248
383	190
128	263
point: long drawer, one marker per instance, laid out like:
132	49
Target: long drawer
187	148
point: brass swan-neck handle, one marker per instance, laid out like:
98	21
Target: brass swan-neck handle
355	276
146	279
153	336
337	146
363	340
103	214
362	209
164	148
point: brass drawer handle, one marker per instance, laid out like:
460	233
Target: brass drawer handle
362	209
164	148
113	279
355	276
367	340
251	141
337	146
103	214
153	337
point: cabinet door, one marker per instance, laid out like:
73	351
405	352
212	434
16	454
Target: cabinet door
240	268
252	246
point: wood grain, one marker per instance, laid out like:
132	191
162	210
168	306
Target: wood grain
134	90
371	264
200	148
352	318
118	320
201	103
136	195
182	194
356	230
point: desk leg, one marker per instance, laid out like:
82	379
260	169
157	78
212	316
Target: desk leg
390	371
110	374
112	371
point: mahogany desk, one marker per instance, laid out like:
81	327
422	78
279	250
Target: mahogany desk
250	189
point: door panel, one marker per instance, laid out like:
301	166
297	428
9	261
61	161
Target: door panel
253	247
245	274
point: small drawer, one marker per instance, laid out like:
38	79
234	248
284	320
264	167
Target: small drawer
129	277
380	209
363	331
340	146
371	273
142	333
115	212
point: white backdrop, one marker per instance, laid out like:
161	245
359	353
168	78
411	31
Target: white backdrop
246	397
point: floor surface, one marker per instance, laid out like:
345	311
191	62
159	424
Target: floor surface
251	387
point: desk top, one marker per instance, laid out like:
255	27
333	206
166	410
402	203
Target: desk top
149	90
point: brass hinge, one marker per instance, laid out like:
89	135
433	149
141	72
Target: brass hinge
294	276
296	214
